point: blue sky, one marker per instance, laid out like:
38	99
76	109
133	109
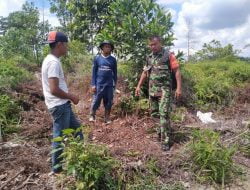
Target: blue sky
225	20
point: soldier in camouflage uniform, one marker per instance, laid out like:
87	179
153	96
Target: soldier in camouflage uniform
159	65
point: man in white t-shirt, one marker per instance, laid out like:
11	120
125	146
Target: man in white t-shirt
57	97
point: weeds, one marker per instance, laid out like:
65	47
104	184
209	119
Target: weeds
148	178
244	144
211	160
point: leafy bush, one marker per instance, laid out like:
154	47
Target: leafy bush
213	81
11	75
91	165
212	161
125	106
9	115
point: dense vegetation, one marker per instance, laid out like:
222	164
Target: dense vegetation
213	82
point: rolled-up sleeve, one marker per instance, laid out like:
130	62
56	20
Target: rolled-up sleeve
173	61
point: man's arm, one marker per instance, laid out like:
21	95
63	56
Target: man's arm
141	81
175	67
178	80
56	91
94	75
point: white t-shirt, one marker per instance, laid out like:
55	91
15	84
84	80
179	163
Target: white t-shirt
52	67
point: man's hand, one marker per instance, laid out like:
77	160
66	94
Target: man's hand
178	93
137	91
74	99
93	89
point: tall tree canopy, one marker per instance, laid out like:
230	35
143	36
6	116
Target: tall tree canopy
23	34
127	23
131	22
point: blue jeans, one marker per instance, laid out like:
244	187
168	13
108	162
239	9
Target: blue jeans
103	92
63	118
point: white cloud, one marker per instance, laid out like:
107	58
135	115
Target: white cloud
169	1
226	20
8	6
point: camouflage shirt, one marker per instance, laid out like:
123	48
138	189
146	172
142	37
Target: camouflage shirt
159	73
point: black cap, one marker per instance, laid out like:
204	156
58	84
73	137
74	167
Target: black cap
55	36
107	42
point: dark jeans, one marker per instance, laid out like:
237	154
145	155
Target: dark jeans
63	118
105	93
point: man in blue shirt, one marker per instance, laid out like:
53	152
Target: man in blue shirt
104	78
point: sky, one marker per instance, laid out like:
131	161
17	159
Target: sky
225	20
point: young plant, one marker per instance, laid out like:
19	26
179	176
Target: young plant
91	165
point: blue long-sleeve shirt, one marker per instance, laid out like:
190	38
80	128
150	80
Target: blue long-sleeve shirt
104	71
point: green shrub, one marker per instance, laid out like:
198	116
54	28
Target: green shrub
9	115
212	161
125	106
212	82
129	105
91	165
125	69
11	75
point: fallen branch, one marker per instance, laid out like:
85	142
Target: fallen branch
26	182
7	182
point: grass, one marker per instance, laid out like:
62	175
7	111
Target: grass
212	161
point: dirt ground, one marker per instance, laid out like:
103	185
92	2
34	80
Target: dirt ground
25	157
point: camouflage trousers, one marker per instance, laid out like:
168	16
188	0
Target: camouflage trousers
160	111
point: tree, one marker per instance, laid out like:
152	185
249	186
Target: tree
130	23
214	50
23	33
83	19
3	25
60	7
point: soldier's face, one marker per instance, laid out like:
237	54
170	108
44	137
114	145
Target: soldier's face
155	45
